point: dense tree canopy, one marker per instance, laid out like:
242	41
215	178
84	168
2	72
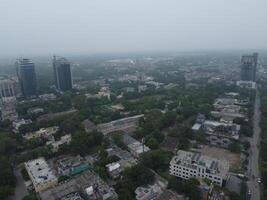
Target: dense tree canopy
157	160
82	142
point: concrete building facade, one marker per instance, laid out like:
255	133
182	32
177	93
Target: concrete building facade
41	174
186	165
9	87
248	67
27	77
62	74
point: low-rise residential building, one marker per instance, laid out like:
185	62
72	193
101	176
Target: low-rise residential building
87	183
43	132
89	126
223	128
205	191
47	97
71	165
228	130
170	86
154	83
128	77
196	127
246	84
128	89
125	160
65	139
18	123
220	103
34	111
73	196
117	107
186	165
51	116
114	170
200	118
135	147
171	195
142	88
229	107
40	174
218	141
152	191
104	92
227	114
119	125
199	121
148	192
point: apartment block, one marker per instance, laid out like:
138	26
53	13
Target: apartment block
186	165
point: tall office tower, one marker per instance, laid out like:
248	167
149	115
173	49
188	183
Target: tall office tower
27	77
248	67
62	74
8	87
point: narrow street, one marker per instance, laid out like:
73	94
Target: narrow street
253	167
21	189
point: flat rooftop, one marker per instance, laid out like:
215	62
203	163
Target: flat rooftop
80	183
40	170
195	158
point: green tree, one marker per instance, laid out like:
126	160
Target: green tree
117	139
138	175
235	147
152	143
7	181
82	142
157	160
190	187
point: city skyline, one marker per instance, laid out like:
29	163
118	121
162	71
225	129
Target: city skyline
123	100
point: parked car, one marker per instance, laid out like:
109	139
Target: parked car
259	180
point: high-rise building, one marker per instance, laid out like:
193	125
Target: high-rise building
9	87
62	74
248	67
27	77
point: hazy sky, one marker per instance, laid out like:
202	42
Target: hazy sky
89	26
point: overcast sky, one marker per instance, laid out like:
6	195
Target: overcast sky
94	26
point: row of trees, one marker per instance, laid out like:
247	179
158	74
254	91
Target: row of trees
263	149
7	149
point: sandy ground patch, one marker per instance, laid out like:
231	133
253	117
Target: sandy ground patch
219	153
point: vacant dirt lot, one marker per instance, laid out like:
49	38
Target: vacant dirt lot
214	152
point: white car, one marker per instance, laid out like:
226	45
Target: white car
259	180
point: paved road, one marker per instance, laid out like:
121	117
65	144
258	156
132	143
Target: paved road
253	168
21	189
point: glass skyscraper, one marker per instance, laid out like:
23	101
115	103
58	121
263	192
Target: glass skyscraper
62	74
248	67
27	77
